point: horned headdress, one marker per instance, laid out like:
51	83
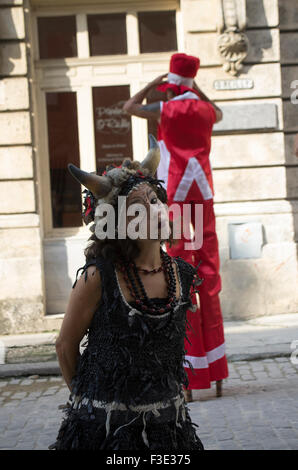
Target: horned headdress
117	181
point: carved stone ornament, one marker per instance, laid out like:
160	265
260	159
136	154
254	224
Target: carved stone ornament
232	42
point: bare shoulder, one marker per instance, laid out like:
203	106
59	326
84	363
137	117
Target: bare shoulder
89	284
83	301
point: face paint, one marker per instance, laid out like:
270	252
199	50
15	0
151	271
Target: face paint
152	218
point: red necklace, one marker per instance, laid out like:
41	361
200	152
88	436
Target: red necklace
137	289
151	271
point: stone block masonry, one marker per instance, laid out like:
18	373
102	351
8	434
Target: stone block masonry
21	291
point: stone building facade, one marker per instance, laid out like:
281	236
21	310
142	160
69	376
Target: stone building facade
65	68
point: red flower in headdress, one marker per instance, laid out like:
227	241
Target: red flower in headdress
109	168
140	174
88	206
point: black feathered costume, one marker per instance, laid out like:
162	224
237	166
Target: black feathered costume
127	391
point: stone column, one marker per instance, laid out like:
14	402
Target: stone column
21	273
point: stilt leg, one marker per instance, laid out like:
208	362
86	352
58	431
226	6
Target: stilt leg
187	396
219	388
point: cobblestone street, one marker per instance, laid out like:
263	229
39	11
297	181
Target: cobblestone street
258	409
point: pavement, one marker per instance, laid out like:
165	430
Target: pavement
258	409
259	338
262	337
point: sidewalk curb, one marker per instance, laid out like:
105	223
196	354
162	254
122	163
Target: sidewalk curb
52	367
30	353
260	338
256	356
32	368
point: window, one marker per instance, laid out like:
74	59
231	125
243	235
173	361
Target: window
107	57
107	34
57	37
157	31
63	149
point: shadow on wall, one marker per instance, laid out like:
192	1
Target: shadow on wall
288	15
291	184
266	38
241	276
10	46
63	255
62	259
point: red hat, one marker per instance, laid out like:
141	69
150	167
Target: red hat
184	65
183	68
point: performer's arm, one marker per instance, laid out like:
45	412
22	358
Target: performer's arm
217	110
134	105
82	304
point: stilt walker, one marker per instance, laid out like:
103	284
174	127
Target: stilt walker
185	126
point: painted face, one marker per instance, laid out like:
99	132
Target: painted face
147	216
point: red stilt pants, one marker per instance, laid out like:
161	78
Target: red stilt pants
206	352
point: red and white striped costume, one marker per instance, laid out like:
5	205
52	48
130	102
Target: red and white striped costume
185	140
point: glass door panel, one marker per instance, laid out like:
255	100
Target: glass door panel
112	126
63	149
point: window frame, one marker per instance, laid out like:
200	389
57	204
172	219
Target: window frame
79	74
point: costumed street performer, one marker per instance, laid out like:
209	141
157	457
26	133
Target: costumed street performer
132	300
185	123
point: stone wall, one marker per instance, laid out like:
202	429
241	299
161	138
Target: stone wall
21	278
255	171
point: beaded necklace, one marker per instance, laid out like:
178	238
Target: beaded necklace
137	289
